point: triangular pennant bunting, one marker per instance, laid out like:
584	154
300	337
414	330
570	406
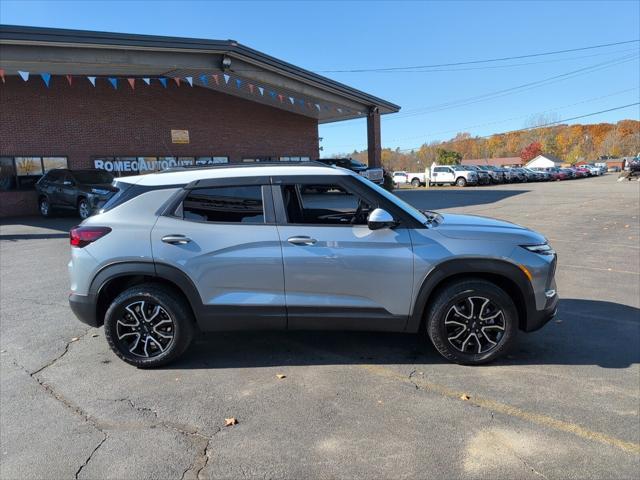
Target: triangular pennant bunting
272	94
69	79
251	87
24	75
216	78
226	78
318	106
281	98
189	81
261	90
2	74
292	100
203	79
114	82
163	81
147	81
238	83
46	78
132	83
177	80
92	80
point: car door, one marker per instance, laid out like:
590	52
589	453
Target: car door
339	274
224	239
68	190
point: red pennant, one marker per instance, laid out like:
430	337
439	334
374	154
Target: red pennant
132	83
2	74
216	78
281	97
177	80
251	87
69	79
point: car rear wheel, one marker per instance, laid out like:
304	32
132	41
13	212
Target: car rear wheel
461	182
44	207
472	322
148	326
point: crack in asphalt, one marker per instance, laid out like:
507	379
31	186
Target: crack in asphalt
86	462
64	352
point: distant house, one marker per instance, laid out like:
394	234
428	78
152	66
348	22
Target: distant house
496	162
544	161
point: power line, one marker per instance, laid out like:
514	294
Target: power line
546	124
497	122
473	62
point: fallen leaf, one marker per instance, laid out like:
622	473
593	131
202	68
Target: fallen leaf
94	335
230	421
281	376
626	226
464	396
75	339
380	402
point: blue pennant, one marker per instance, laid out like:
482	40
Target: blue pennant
46	77
114	82
203	79
238	83
24	75
163	81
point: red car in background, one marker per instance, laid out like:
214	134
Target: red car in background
557	174
582	172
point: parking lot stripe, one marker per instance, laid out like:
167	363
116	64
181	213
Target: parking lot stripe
505	409
564	265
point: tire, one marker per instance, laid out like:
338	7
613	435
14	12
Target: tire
44	207
446	328
120	326
415	183
84	210
461	182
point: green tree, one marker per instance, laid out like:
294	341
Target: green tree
447	157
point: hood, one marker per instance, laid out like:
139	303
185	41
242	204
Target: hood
101	186
474	227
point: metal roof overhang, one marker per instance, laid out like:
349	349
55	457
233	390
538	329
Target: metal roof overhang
77	52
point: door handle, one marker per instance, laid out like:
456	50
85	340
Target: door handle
301	240
176	239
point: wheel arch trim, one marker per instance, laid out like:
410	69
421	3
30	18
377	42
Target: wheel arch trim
455	268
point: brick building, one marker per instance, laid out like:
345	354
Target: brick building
136	103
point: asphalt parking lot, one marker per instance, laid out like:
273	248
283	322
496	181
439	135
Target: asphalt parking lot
564	404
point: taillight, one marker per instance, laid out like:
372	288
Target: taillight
83	236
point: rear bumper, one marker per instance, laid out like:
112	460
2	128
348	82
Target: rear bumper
84	307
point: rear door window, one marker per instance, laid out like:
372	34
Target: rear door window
237	204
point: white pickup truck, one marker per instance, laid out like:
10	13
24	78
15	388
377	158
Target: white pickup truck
444	174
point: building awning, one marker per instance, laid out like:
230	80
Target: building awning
223	65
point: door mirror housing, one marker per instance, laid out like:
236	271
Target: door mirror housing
380	218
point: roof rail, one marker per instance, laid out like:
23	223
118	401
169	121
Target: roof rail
283	163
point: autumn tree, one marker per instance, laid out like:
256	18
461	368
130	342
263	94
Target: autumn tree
531	151
448	157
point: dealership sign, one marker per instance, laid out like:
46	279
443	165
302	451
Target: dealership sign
141	164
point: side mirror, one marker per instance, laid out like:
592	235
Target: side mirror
380	218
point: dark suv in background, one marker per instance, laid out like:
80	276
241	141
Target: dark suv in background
81	190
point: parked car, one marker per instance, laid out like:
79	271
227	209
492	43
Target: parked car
452	175
243	247
536	176
518	175
484	177
400	178
81	190
497	175
582	172
376	175
570	174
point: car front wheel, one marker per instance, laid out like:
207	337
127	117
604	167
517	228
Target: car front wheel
472	322
84	211
461	182
415	183
148	326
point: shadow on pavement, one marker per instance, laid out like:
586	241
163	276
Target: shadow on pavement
435	199
586	332
37	228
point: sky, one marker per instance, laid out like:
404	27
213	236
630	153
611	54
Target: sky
437	102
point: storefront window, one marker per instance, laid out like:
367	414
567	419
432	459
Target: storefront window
22	173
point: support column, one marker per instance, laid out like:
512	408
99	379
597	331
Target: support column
374	146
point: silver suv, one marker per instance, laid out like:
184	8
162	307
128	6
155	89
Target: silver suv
300	247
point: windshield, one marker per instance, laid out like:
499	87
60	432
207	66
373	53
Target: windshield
92	176
414	212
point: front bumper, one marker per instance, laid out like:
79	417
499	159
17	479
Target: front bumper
84	307
538	318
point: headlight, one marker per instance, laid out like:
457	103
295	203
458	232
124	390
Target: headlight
99	191
543	249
